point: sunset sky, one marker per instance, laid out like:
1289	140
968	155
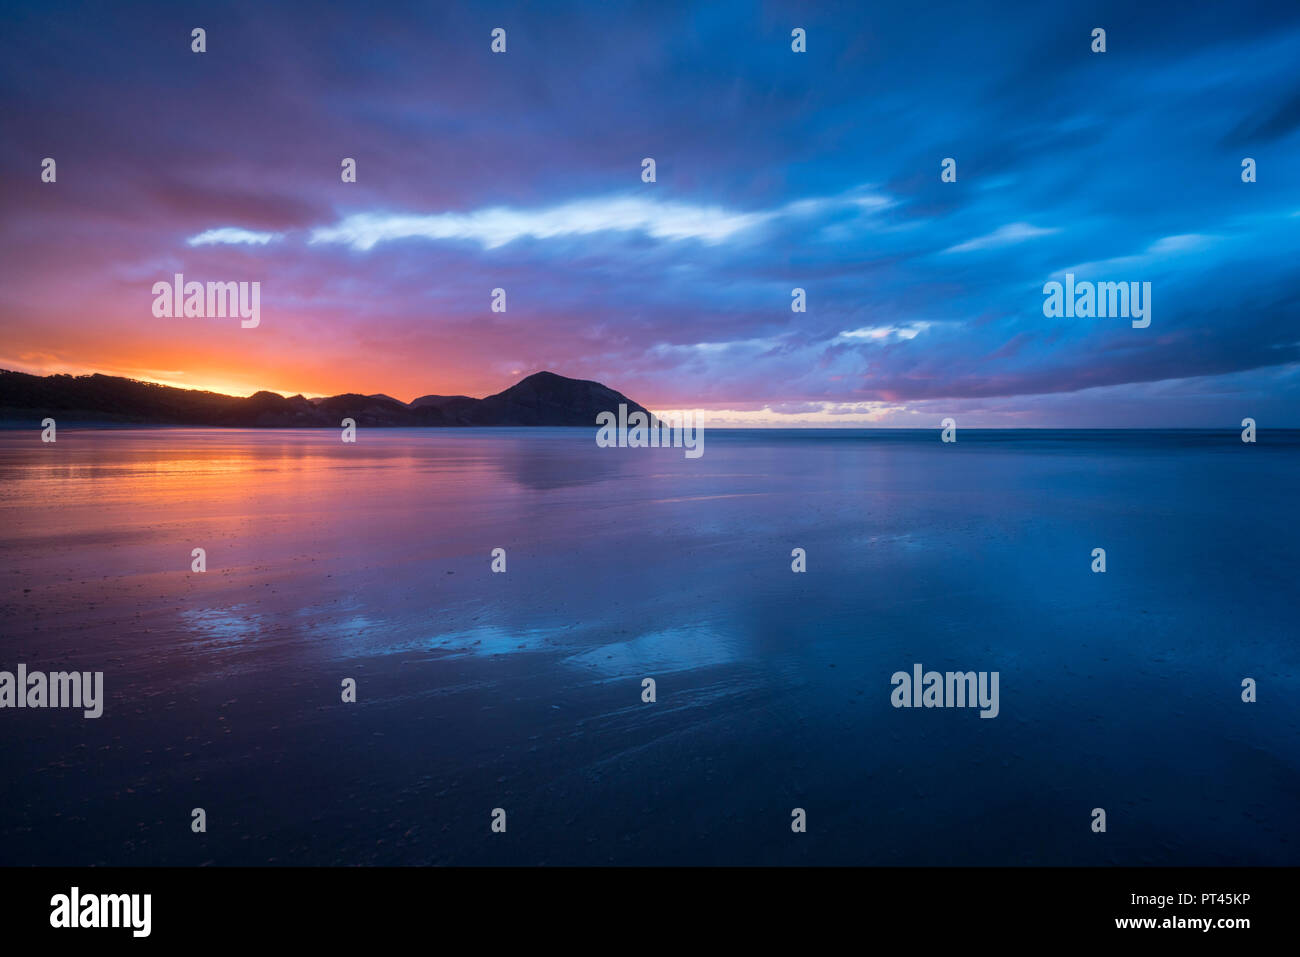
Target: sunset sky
775	169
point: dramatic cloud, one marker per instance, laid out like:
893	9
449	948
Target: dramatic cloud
231	235
1005	236
491	228
775	171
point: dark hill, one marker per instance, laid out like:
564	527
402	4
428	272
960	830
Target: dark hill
438	400
544	399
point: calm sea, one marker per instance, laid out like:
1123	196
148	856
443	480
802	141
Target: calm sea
523	691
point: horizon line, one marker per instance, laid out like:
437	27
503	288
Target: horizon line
7	423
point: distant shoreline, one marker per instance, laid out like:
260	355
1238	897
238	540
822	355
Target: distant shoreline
33	420
541	399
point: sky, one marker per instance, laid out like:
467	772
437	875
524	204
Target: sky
775	170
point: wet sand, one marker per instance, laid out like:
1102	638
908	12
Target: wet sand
523	690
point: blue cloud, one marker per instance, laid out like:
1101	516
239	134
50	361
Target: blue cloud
775	170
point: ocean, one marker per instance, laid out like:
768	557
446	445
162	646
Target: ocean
524	690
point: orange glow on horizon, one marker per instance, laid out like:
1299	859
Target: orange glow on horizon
176	380
223	382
